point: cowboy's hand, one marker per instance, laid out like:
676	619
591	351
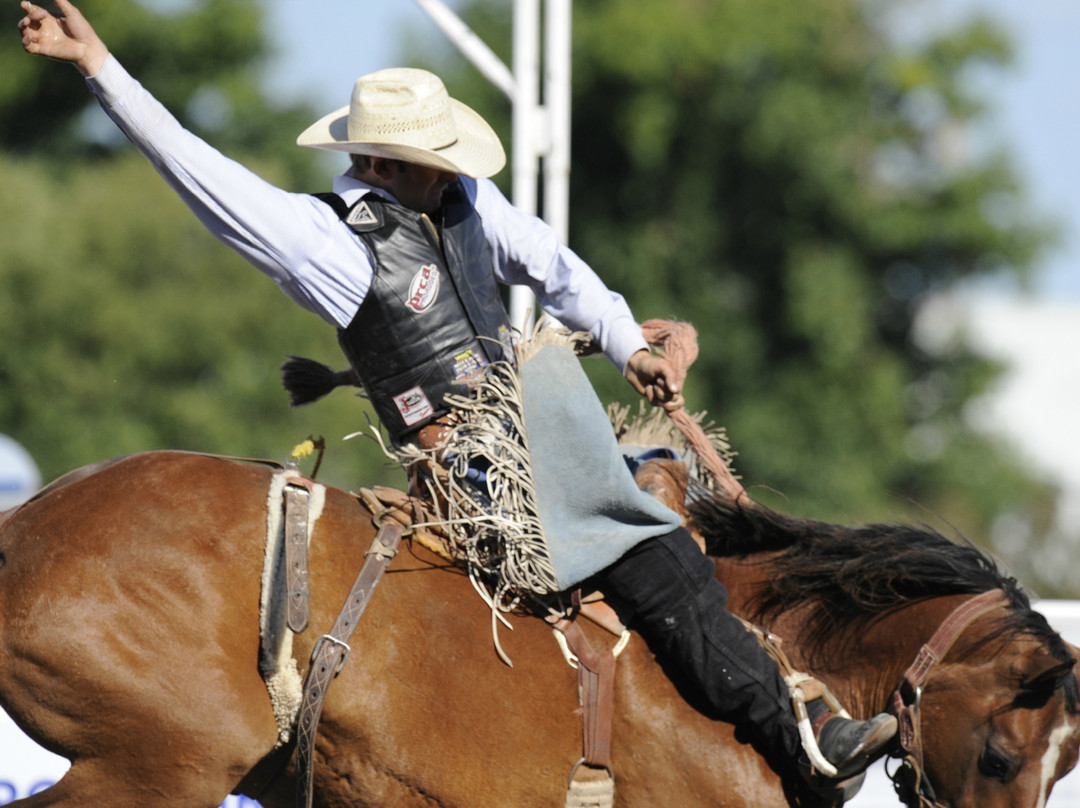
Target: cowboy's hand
69	38
654	378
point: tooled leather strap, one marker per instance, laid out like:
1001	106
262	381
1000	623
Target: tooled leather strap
297	498
332	650
596	681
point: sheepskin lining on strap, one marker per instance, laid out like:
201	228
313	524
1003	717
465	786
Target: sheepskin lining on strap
277	665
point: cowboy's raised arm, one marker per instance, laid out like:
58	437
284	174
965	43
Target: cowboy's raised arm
281	234
69	38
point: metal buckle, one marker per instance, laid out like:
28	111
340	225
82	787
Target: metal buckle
580	763
328	638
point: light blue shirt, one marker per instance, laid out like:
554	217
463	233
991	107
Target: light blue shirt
319	262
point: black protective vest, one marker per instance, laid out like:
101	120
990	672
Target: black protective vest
433	314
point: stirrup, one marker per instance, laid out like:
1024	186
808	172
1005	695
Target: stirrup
804	688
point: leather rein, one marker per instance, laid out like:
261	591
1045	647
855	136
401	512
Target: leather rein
909	780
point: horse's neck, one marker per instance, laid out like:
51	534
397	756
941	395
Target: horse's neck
877	657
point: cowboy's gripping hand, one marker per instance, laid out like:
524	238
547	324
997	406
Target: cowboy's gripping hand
654	378
67	38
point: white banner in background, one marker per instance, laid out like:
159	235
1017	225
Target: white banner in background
19	475
26	768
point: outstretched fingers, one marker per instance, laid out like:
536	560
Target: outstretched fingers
42	32
33	18
67	38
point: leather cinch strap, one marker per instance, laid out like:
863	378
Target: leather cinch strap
332	650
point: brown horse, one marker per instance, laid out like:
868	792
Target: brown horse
129	640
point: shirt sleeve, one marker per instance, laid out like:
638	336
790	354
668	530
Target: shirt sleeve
527	251
295	239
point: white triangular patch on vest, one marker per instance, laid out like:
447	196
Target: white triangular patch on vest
362	215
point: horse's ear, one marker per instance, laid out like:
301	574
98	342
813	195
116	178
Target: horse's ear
1042	670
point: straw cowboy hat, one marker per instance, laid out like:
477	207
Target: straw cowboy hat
406	114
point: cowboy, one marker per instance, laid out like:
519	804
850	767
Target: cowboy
403	261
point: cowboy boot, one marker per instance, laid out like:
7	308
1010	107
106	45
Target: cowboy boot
849	745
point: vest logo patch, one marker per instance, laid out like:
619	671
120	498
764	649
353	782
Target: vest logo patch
424	288
468	367
413	405
362	215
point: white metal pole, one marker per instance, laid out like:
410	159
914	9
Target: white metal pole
472	46
524	152
557	102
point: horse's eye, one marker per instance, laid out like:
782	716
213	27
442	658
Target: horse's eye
995	765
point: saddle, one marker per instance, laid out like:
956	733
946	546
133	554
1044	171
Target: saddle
418	515
413	512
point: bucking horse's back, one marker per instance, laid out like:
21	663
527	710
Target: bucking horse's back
129	626
130	644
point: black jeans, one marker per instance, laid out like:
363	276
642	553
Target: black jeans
665	589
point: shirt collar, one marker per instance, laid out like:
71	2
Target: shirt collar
351	189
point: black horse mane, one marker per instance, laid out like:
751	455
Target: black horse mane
850	575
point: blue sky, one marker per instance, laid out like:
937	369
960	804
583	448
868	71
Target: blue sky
324	47
1037	112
